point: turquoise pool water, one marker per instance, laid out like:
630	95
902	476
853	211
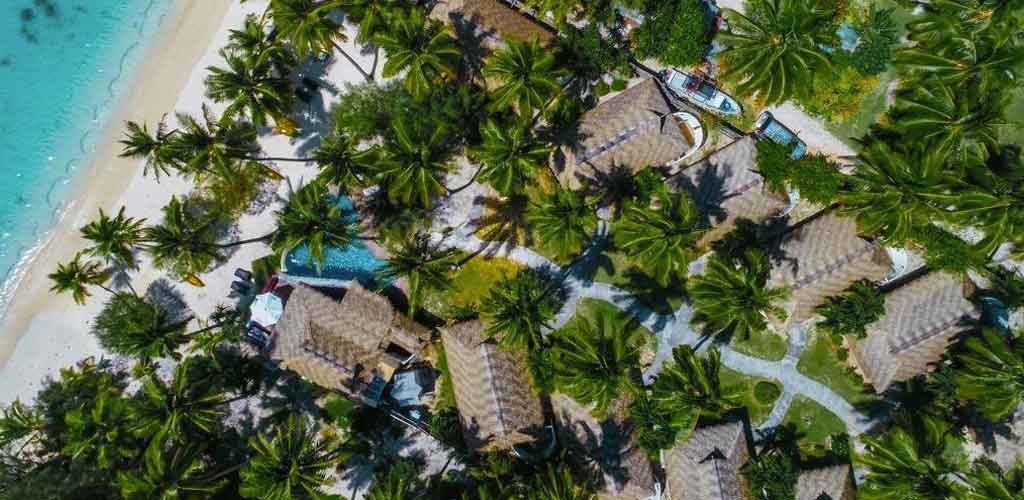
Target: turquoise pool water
63	64
354	262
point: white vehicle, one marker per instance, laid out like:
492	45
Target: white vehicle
700	90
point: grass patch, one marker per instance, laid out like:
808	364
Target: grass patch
616	268
445	391
813	421
470	285
592	308
766	392
765	345
821	363
758	408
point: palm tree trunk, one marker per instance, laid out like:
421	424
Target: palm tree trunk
359	68
244	242
111	292
466	185
277	158
376	57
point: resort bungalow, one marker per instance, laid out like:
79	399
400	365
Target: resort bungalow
726	187
826	483
707	466
497	405
606	448
353	345
492	20
821	258
922	318
635	129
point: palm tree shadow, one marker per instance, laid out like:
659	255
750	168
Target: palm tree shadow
378	440
471	39
286	394
653	294
312	112
706	187
164	294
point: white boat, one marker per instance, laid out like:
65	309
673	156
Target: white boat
700	90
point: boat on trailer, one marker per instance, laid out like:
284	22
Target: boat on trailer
767	127
701	90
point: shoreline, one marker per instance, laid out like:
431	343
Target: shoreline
154	87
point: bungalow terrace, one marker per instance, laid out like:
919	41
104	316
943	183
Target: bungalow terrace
637	128
820	259
606	447
922	318
727	187
826	483
493	20
497	405
353	345
707	466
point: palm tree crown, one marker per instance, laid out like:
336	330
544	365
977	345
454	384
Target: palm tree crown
137	327
964	122
992	373
564	221
315	218
664	237
157	148
292	465
731	297
423	263
511	155
690	386
415	162
343	164
185	241
251	86
520	308
528	74
421	48
76	276
114	238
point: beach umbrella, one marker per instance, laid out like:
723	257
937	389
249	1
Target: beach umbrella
266	309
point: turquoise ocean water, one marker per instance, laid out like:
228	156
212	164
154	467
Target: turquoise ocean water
63	64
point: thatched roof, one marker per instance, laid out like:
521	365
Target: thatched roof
606	447
342	344
821	259
632	130
922	318
492	18
496	401
826	483
707	466
726	186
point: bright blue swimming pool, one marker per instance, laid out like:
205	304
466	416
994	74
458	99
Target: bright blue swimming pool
354	262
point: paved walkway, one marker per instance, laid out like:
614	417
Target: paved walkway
671	330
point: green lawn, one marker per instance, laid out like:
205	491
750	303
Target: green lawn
813	421
819	362
765	345
759	410
471	284
590	308
616	268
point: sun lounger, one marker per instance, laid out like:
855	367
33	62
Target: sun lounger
243	275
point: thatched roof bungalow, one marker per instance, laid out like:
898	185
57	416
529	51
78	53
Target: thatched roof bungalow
496	401
826	483
353	345
493	20
726	187
707	466
820	259
606	447
632	130
922	318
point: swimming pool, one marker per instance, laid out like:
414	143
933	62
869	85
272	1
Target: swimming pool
341	266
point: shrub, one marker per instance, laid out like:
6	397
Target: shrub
601	88
815	176
766	392
836	94
853	311
675	32
877	37
339	410
619	84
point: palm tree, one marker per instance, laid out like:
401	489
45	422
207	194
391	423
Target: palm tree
594	358
558	483
690	386
314	217
99	434
293	464
20	423
157	148
414	164
373	16
964	122
307	25
981	58
114	239
251	85
506	220
343	164
511	155
185	241
891	192
528	74
135	326
175	473
76	277
519	308
988	481
423	263
187	408
212	146
654	431
992	373
913	463
731	297
564	221
663	238
398	481
421	48
774	50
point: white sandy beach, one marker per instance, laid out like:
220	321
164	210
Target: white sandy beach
42	332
